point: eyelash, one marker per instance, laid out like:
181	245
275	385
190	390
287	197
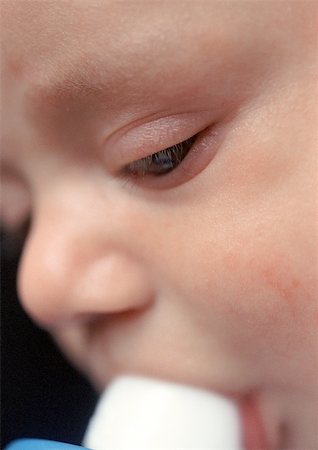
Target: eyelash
192	155
162	162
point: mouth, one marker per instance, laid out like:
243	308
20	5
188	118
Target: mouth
254	433
146	407
257	431
260	429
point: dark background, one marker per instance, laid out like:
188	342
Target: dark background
41	395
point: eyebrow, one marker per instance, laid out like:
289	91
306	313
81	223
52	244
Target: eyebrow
63	104
84	84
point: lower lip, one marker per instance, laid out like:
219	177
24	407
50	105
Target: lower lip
254	436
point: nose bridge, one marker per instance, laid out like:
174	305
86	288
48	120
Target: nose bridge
72	269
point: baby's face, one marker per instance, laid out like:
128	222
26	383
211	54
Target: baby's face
199	263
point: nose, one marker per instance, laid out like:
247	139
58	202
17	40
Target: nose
73	272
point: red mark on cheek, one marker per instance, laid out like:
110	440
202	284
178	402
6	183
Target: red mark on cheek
285	286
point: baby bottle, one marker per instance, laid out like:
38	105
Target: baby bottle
137	413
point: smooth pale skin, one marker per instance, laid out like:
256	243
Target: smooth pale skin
207	275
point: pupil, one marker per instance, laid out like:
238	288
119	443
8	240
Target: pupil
166	160
163	161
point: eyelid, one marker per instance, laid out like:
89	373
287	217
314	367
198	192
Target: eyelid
203	151
151	137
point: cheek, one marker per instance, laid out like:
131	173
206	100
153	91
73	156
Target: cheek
239	277
269	282
284	297
288	287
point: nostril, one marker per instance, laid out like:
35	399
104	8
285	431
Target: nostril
86	318
103	322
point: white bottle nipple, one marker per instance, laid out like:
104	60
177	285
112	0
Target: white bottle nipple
137	413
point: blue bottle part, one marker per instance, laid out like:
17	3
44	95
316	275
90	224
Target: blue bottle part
40	444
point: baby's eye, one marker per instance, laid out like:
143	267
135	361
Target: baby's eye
162	162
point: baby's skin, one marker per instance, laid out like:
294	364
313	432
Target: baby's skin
196	262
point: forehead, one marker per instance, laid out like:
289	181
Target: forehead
89	48
58	36
48	40
114	51
81	48
62	33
